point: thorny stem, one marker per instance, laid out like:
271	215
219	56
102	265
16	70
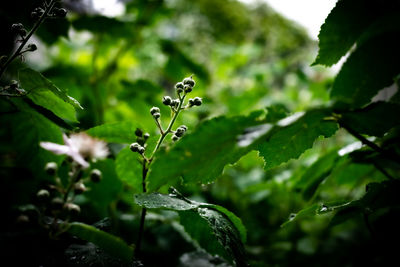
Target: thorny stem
17	52
146	164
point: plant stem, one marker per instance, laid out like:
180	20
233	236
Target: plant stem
25	39
146	165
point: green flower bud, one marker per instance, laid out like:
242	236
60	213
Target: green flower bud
95	175
79	188
191	102
43	194
72	208
154	110
60	12
51	168
175	103
179	85
31	47
134	147
175	138
184	127
141	150
197	101
188	88
189	81
146	136
180	131
57	203
167	100
179	90
157	115
17	27
138	132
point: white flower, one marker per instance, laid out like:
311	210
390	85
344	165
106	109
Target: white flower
80	147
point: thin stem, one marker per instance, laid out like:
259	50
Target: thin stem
74	176
383	171
25	39
146	164
372	145
168	130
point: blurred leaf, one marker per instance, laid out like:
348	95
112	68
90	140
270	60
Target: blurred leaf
200	157
227	231
104	25
376	119
129	169
111	244
316	173
140	89
370	68
291	141
50	32
276	112
117	132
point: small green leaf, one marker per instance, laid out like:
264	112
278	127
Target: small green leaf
368	69
375	119
118	132
290	141
227	231
129	169
110	243
200	157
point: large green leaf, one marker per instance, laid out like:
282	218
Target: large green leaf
200	157
375	119
212	227
103	25
118	132
110	243
344	24
129	169
44	93
290	141
370	68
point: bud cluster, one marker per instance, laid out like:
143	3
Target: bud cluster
179	132
141	138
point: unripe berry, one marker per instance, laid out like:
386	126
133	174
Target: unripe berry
180	132
189	81
51	168
157	115
146	136
134	147
187	88
95	175
179	90
167	100
191	102
175	138
154	110
184	127
175	103
17	27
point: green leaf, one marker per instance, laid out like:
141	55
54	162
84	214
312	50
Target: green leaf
316	173
102	25
213	227
200	157
110	243
289	142
370	68
129	169
44	93
117	132
375	119
344	24
34	81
